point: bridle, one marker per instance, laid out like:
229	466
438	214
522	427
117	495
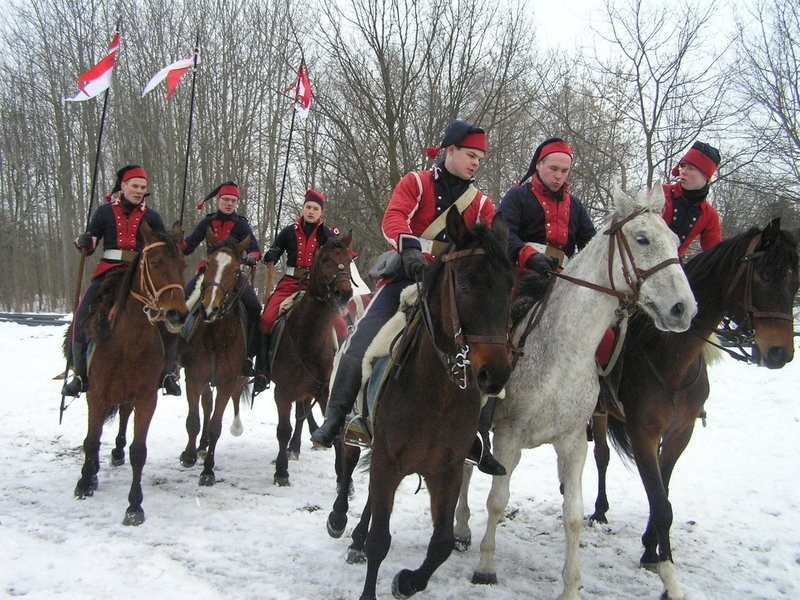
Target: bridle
456	364
230	296
151	296
329	286
627	299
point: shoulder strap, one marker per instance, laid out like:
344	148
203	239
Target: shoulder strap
464	200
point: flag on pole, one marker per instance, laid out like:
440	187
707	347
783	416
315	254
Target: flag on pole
98	78
302	91
172	73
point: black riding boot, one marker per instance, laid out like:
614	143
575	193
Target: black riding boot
170	375
251	350
343	396
481	451
262	374
80	379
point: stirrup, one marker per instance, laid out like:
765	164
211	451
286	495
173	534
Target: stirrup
357	432
75	386
260	383
247	368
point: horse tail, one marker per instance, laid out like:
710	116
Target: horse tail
620	440
111	412
66	345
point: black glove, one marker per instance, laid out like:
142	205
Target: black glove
272	255
249	260
413	262
541	263
84	240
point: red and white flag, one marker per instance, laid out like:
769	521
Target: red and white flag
98	78
172	73
302	92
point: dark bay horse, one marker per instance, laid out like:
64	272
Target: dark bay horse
663	384
427	415
304	355
216	352
128	356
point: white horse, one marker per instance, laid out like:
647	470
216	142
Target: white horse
554	387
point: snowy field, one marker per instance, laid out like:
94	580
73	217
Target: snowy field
735	496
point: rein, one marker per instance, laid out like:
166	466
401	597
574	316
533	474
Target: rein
455	365
627	300
230	296
151	298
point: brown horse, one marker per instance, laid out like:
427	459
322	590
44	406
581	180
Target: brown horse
216	352
427	415
662	379
304	354
128	356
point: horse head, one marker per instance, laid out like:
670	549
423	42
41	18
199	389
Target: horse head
221	287
648	255
468	296
764	295
329	278
160	282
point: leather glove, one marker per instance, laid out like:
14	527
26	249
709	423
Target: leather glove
413	262
84	240
271	256
249	260
541	263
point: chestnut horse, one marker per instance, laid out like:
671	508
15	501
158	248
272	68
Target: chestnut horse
129	355
304	354
662	379
216	352
427	416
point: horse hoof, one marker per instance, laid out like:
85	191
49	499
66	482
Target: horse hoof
293	455
81	492
207	479
355	556
201	453
336	524
484	578
236	427
187	460
649	566
598	518
133	517
117	458
462	544
397	592
281	481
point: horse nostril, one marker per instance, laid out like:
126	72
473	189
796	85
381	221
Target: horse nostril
777	356
677	309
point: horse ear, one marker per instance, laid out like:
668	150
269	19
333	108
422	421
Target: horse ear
212	241
147	232
771	232
656	196
500	229
176	231
242	246
322	236
347	238
456	229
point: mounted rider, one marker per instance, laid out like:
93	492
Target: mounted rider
299	242
417	202
686	210
116	223
226	223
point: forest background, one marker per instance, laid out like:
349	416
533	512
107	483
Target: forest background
630	96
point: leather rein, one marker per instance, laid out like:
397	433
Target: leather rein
456	364
151	295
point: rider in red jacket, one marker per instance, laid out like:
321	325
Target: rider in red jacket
687	211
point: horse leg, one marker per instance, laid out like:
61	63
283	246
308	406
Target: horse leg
356	553
193	391
207	400
207	477
283	432
599	425
300	409
508	453
346	461
571	450
87	484
118	453
444	491
383	484
236	427
462	532
142	416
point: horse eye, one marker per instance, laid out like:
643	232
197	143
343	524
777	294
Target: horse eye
642	240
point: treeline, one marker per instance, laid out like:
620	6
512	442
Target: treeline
387	75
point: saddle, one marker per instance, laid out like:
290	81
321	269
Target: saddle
383	358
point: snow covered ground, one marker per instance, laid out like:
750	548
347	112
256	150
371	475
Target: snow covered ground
735	497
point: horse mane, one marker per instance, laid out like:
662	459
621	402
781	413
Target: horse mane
228	244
